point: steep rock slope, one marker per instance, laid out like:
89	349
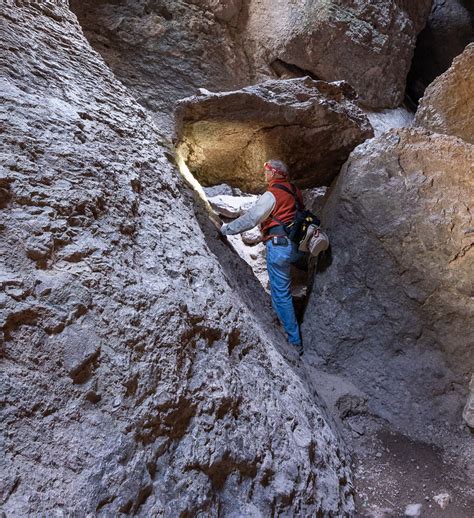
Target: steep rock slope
311	125
135	378
448	103
397	292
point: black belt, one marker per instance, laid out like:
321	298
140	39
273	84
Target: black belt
277	230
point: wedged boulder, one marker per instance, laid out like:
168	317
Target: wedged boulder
448	103
391	307
368	43
139	374
311	125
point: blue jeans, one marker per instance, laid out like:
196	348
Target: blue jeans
279	259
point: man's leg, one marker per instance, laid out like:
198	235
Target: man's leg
279	272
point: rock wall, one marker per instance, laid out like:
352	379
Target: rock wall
367	43
396	292
164	50
139	374
448	104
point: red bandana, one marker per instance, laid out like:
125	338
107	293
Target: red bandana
274	170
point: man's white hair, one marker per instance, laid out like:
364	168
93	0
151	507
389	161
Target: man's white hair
278	164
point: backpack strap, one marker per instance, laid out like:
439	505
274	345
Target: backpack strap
297	202
292	192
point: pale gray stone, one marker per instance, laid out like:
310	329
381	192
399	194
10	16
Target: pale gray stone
142	372
413	510
442	499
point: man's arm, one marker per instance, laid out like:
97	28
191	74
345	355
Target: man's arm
255	215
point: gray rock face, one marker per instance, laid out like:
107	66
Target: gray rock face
468	412
139	374
397	291
311	125
450	27
164	50
448	103
367	43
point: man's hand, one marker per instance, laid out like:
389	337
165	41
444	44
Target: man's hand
220	227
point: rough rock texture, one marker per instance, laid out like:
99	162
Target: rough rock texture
311	125
163	50
255	256
397	291
136	376
448	103
468	412
450	27
368	43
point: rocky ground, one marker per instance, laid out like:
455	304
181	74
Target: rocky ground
394	473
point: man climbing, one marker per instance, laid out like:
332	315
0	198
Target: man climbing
275	208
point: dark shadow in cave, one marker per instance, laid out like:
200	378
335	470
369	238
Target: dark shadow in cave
438	44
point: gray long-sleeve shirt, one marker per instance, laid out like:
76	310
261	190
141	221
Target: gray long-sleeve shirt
255	215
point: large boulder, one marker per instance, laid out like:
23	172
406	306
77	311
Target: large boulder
164	50
448	103
367	43
311	125
140	375
390	308
450	27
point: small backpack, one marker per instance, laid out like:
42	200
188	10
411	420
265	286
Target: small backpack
315	241
298	228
